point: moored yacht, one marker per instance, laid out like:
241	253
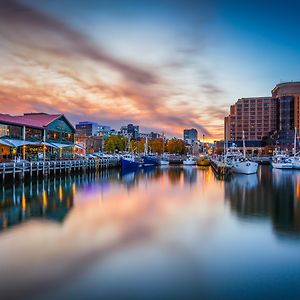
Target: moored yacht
190	161
281	160
238	162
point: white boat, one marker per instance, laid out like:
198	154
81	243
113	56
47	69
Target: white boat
281	160
164	162
296	157
238	162
190	161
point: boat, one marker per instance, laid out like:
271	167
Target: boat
129	162
281	160
163	161
149	159
203	160
190	161
238	161
296	155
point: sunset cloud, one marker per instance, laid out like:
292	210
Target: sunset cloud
51	66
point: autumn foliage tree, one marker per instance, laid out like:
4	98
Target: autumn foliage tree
176	146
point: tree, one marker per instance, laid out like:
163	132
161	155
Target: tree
115	142
175	145
156	145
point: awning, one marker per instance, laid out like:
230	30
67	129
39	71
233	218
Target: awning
5	143
19	143
48	144
59	145
79	146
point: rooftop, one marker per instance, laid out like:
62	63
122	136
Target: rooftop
36	120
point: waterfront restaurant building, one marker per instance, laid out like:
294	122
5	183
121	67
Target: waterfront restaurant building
35	136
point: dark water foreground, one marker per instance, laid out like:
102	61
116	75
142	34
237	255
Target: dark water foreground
170	233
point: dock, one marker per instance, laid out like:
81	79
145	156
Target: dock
220	167
23	169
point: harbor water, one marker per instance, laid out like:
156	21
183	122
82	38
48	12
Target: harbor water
159	233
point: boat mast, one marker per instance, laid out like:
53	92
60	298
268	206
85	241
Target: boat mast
146	147
244	148
295	142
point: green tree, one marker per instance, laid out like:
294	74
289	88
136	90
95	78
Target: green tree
115	142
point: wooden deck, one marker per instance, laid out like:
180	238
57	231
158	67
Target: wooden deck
46	168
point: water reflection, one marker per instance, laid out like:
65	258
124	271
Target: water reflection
273	194
159	233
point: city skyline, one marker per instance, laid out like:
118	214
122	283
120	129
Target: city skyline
166	66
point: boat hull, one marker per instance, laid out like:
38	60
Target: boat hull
282	165
245	167
130	165
163	162
203	162
150	161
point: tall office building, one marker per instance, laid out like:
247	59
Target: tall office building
87	128
132	130
255	116
190	135
260	116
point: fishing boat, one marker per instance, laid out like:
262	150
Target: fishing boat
203	160
281	160
129	162
238	161
190	161
149	159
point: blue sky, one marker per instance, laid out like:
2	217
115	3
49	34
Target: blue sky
165	64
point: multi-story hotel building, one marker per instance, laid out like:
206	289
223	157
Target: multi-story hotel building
258	117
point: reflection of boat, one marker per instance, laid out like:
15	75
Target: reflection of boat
129	162
281	160
190	161
245	181
203	160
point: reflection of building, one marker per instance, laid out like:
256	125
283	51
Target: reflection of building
190	135
35	130
275	197
259	117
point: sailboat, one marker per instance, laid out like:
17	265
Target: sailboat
281	160
238	161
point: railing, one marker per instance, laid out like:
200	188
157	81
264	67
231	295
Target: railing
44	168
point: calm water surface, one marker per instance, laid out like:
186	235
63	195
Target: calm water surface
169	233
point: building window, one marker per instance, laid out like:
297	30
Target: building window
11	131
53	135
33	134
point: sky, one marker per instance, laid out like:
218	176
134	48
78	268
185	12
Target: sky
164	65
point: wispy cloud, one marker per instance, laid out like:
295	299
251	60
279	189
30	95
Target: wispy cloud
49	65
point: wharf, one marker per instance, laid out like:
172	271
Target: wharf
220	167
47	168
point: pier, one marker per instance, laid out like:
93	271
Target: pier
220	168
46	168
